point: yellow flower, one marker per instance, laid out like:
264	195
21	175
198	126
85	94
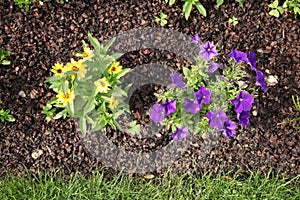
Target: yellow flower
114	102
77	66
115	68
68	67
102	85
65	98
88	53
58	69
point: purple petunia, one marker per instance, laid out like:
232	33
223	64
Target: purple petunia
217	119
200	97
192	105
170	106
207	51
238	56
196	39
260	80
159	111
177	81
243	102
180	133
252	60
243	117
213	66
229	128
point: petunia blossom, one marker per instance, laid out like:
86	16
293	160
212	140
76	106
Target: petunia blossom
217	119
202	95
252	60
213	66
177	80
229	128
260	80
238	56
157	113
207	51
242	102
169	106
196	39
191	105
243	118
180	133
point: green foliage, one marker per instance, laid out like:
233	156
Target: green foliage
161	19
21	3
5	116
241	2
296	102
171	2
234	21
4	54
290	5
188	5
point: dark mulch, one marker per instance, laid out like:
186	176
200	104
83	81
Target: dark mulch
53	32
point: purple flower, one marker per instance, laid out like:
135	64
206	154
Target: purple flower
170	106
243	117
202	95
243	102
177	81
180	133
229	128
213	66
260	80
196	39
191	105
217	119
207	51
238	56
157	113
252	60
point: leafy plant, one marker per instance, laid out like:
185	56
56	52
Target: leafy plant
188	5
21	3
297	105
88	88
233	21
171	2
195	106
276	9
4	54
161	19
241	2
291	5
5	115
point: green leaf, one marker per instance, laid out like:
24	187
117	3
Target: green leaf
200	8
108	45
162	15
60	114
186	72
5	62
220	2
163	22
280	9
274	4
274	13
89	106
157	19
122	73
94	41
187	8
82	125
116	56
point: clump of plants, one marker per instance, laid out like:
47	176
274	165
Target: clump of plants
87	88
204	100
5	115
3	55
26	3
290	5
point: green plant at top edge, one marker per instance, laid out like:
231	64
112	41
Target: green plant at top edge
161	19
290	5
21	3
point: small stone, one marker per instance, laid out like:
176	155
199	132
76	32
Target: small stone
272	80
254	113
36	154
149	176
22	94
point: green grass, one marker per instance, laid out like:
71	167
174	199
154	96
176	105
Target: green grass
125	187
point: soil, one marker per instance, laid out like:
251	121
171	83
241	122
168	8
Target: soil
53	32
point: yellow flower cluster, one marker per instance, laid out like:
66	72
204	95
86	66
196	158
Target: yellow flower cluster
102	85
58	69
115	68
65	98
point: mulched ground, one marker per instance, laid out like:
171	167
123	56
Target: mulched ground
53	32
